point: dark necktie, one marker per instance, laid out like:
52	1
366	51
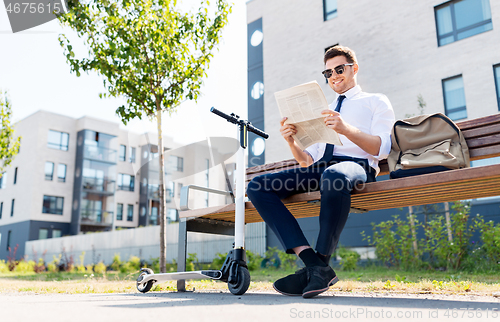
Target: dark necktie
328	155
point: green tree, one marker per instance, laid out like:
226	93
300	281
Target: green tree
9	146
148	52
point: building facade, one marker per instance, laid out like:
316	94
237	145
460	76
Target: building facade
445	54
74	176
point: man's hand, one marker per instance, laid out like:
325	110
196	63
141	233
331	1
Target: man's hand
367	142
287	130
334	121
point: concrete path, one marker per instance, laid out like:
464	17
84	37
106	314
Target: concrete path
253	306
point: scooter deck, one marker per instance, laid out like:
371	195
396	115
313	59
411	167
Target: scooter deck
162	277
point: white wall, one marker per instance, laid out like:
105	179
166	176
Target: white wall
142	242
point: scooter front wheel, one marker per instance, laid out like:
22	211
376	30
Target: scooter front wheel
243	282
144	287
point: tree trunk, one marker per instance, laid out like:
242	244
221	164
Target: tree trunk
161	187
413	232
448	221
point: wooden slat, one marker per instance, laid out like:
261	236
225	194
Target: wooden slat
482	131
483	141
479	122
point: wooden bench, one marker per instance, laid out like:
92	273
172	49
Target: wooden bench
483	139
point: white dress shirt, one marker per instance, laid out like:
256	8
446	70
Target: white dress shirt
370	113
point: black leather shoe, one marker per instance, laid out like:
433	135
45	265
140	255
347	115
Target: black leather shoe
319	280
293	284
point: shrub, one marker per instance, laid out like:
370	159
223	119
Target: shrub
190	266
117	263
219	259
100	268
394	240
25	267
490	238
40	266
349	258
4	268
288	261
133	265
253	260
53	266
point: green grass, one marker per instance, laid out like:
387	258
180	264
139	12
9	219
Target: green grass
363	280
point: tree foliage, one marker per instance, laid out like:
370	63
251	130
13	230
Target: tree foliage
9	146
146	50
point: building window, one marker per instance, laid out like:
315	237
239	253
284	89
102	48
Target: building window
172	215
454	98
15	176
53	205
119	211
56	233
58	140
3	181
460	19
496	72
171	189
132	155
49	171
123	153
176	163
329	9
43	233
12	208
126	182
257	90
1	209
130	212
61	173
9	236
179	188
256	38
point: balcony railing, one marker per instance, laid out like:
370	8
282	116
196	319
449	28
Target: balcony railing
100	154
96	217
98	185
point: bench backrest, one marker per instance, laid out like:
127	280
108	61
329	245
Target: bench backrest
482	136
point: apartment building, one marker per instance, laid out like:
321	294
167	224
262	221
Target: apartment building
445	52
75	176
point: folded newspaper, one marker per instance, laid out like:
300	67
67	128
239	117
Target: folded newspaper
302	105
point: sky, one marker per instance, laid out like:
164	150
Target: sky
34	71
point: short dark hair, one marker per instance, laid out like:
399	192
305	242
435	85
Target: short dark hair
338	50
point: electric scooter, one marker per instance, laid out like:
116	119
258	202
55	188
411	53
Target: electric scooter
234	271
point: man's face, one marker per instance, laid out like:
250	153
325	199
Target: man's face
344	82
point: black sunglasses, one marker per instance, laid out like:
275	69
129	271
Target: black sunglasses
339	70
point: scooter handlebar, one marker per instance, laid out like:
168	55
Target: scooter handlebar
235	120
255	130
229	118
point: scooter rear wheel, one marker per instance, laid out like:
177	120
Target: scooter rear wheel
144	288
243	282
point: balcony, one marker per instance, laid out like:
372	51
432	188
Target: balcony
96	217
91	184
99	154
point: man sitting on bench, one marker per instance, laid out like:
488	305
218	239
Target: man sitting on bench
363	122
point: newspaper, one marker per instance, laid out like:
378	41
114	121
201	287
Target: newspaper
302	105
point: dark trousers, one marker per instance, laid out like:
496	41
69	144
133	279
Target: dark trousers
335	180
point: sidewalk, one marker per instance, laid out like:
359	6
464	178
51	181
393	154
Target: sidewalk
253	306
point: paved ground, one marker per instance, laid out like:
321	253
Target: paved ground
253	306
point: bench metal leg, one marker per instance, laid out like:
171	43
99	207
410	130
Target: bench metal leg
181	256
